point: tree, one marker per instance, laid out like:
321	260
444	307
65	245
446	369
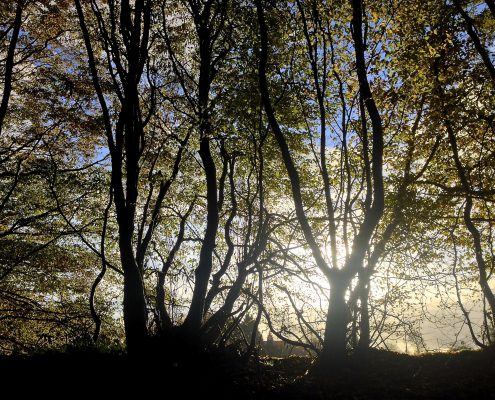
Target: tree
334	346
125	136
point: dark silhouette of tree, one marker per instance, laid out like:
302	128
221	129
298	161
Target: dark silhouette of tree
334	346
125	137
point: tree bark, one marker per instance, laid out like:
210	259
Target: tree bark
164	320
364	323
203	271
135	314
471	30
9	64
473	230
213	328
284	148
101	275
334	347
202	12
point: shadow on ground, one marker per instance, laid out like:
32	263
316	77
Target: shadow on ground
378	375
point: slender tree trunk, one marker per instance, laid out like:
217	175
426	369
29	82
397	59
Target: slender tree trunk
135	314
283	145
217	277
468	221
101	275
364	322
9	64
202	12
254	334
203	271
165	322
218	321
480	48
125	144
459	297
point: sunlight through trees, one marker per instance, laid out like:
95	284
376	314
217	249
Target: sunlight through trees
208	174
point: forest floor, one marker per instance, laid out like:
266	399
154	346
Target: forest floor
378	375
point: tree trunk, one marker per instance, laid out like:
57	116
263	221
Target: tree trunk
125	144
206	38
164	322
477	41
335	341
364	323
203	271
9	64
135	315
468	221
214	326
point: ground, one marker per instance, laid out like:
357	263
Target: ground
378	375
